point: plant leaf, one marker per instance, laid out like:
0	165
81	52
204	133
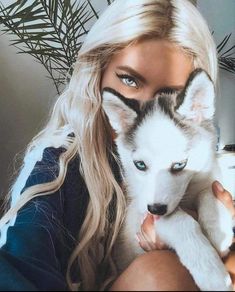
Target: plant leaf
223	43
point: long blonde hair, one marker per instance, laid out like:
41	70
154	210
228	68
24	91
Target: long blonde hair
79	110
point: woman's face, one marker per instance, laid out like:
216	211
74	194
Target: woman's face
140	71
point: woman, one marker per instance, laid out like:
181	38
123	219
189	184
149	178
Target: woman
138	48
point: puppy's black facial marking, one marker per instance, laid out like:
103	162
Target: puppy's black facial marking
181	95
146	109
132	103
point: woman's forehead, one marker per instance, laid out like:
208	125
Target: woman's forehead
155	58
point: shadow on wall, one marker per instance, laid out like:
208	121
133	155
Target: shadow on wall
25	96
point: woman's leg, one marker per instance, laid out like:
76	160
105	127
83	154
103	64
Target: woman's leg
158	270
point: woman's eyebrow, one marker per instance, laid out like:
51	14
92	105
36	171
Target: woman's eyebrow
133	73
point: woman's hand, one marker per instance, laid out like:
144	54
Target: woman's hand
225	197
147	237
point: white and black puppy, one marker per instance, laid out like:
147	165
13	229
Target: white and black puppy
167	151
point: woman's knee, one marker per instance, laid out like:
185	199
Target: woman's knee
156	270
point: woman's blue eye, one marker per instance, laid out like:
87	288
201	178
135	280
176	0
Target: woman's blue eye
127	80
140	165
178	166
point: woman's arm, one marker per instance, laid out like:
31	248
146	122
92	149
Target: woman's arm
29	258
38	244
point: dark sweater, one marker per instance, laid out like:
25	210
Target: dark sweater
38	245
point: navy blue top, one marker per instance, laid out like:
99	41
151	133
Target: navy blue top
40	242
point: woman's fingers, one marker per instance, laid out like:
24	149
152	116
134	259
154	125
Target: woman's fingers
147	227
144	244
224	196
148	231
147	237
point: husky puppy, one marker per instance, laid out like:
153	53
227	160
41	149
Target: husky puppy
166	149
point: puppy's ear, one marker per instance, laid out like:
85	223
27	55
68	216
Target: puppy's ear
120	111
196	101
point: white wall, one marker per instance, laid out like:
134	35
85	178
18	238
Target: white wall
220	15
26	95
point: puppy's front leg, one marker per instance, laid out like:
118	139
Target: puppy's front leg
216	221
181	232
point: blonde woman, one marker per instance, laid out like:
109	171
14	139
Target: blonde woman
67	204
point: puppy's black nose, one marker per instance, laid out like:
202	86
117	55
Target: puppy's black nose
157	209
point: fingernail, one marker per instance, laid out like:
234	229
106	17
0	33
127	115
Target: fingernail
219	187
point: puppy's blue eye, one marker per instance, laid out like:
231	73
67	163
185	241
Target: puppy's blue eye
178	166
140	165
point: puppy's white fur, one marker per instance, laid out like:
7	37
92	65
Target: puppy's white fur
159	140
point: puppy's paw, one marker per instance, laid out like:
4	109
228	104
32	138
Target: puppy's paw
219	280
221	233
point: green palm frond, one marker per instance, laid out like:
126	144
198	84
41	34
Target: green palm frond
51	31
110	1
226	56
